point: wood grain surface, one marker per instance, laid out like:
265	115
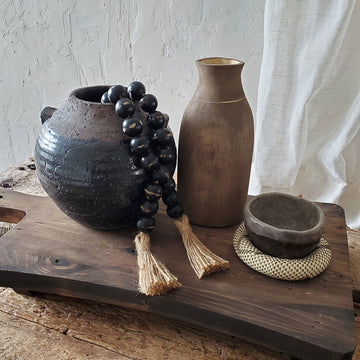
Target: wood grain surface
61	328
49	252
44	327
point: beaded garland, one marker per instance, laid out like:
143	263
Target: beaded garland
153	154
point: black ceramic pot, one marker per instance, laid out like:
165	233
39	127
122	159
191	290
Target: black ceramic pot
84	163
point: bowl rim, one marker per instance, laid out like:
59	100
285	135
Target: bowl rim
266	228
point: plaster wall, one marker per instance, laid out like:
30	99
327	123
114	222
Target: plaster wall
49	48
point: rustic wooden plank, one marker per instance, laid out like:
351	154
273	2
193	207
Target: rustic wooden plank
249	349
42	327
87	322
131	333
23	178
22	339
49	252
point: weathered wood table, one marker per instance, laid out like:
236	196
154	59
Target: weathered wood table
52	327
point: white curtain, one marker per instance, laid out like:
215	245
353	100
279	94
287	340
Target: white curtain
307	128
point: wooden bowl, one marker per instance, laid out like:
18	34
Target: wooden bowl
282	225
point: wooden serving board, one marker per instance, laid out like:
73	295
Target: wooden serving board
49	252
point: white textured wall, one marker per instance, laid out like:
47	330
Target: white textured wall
49	48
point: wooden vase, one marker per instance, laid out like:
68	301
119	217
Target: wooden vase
216	145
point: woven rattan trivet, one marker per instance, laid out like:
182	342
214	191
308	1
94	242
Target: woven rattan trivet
285	269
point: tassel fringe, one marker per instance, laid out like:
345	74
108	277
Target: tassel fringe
202	260
154	277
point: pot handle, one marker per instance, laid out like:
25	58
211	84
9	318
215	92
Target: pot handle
46	113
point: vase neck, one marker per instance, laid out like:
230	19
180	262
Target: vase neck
219	80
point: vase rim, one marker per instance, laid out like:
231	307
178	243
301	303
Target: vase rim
219	61
89	94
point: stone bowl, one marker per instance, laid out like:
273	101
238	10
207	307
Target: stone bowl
283	225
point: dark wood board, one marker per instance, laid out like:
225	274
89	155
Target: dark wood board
49	252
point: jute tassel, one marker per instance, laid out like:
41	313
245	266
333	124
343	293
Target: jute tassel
202	260
154	277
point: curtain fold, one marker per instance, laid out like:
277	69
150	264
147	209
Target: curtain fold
307	129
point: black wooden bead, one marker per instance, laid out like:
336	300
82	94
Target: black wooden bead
157	148
132	127
124	108
169	186
146	224
117	92
166	119
166	155
171	199
140	145
149	162
161	175
105	98
162	137
149	208
149	103
153	192
142	176
136	90
175	211
156	120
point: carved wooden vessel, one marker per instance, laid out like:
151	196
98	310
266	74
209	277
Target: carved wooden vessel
216	145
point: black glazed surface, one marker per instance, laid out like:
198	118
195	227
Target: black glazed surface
96	182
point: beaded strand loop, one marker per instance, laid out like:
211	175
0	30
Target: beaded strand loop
154	154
